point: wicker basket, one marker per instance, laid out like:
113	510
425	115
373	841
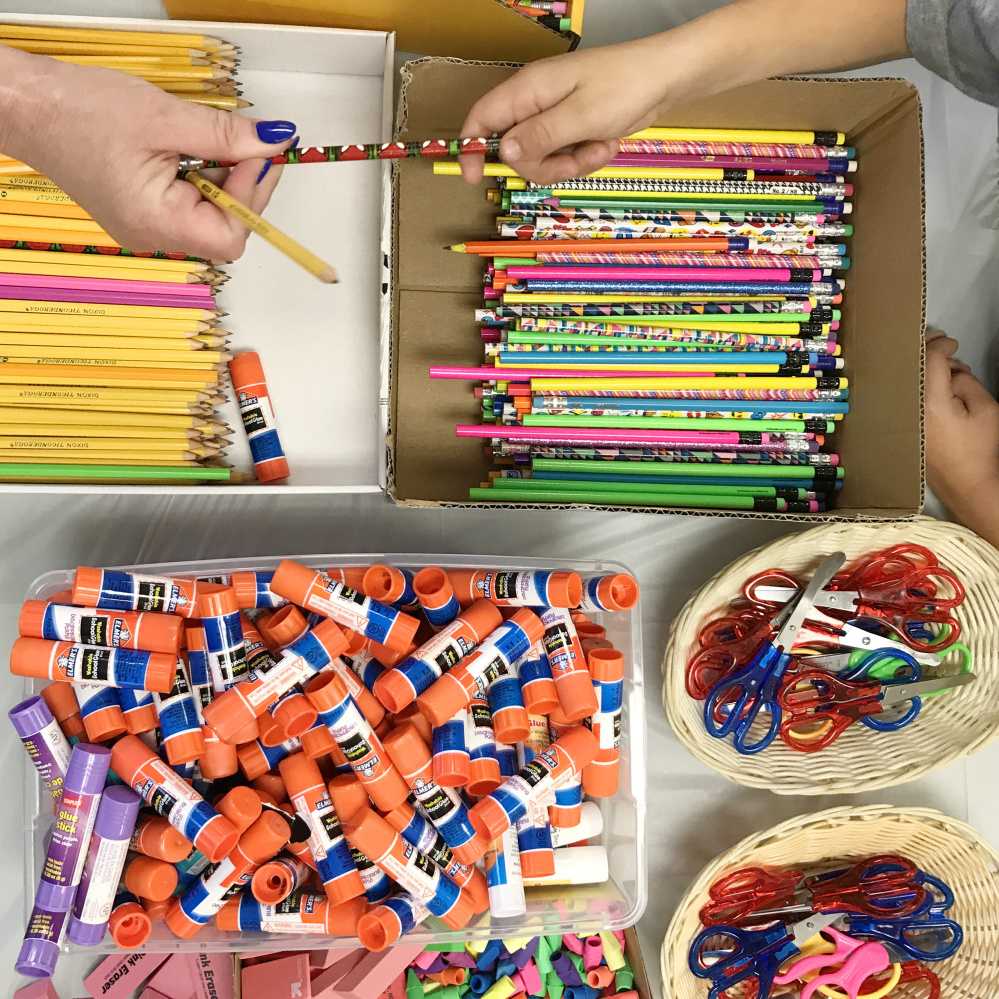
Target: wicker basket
937	843
948	728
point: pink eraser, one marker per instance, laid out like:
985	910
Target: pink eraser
320	959
148	993
426	959
531	978
374	973
571	942
118	975
325	984
287	978
173	979
213	975
263	956
42	989
397	990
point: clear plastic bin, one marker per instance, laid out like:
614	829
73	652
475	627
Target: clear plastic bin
616	904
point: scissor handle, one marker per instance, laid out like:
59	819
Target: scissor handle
945	936
755	881
824	696
868	959
731	628
938	906
914	972
886	665
708	667
770	577
757	956
895	721
918	589
748	693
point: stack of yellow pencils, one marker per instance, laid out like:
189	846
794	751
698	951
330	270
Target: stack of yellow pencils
111	363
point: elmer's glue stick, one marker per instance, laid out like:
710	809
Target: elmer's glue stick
414	871
316	591
381	927
446	809
536	684
116	816
261	841
607	670
253	589
591	823
47	747
87	626
257	413
348	796
484	770
503	872
155	837
558	764
110	589
293	715
275	880
565	810
302	912
139	710
609	593
370	706
170	796
508	643
65	708
255	759
241	806
361	660
101	713
506	703
528	588
389	585
258	656
130	927
224	645
179	721
568	665
436	596
286	625
219	759
230	712
450	752
37	657
309	795
361	747
397	688
534	833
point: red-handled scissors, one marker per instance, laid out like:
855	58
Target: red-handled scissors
741	893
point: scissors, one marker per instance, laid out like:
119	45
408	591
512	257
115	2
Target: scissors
857	961
825	697
718	657
754	688
757	955
821	629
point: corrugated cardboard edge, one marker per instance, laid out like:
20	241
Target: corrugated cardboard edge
818	519
633	951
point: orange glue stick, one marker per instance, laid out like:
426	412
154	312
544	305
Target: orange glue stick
110	589
566	810
274	881
65	709
568	665
257	413
113	629
301	912
155	837
609	593
436	596
150	878
607	670
389	585
526	588
285	626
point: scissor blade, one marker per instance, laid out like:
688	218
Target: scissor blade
805	929
828	568
899	692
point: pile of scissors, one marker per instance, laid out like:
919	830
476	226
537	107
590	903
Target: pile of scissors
855	932
803	662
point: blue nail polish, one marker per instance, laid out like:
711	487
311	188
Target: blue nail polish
275	131
295	142
263	173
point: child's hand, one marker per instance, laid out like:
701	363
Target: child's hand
962	438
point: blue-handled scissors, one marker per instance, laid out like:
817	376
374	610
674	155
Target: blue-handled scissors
754	688
757	955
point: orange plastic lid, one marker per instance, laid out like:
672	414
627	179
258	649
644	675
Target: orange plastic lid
349	575
600	778
247	733
271	883
531	623
218	760
408	751
355	642
270	733
477	890
579	744
127	755
105	724
400	816
151	878
565	589
240	806
348	796
432	586
511	724
272	784
330	635
266	798
180	924
378	929
483	776
369	832
246	370
394	691
87	586
301	775
292	581
383	583
130	926
219	603
461	912
565	816
619	592
265	837
227	918
160	633
443	700
194	638
483	618
578	617
317	742
143	719
468	853
402	632
606	665
389	657
286	625
342	919
244	585
587	629
589	644
414	716
326	691
185	747
252	761
156	910
157	838
62	597
576	695
537	864
540	696
296	715
218	839
61	700
451	769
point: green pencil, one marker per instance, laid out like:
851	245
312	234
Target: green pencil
667	469
694	424
556	485
608	498
90	472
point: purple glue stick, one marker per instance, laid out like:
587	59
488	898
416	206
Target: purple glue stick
116	816
40	949
74	824
47	746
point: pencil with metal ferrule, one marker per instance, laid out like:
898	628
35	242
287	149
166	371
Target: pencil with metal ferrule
98	473
668	469
609	498
597	484
202	360
101	260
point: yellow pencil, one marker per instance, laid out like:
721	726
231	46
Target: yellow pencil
35	196
54	235
101	35
109	325
149	445
200	361
46	214
76	226
157	74
103	311
139	62
179	437
255	223
38	183
453	169
181	347
42	47
96	376
137	460
23	415
791	138
109	260
120	273
213	87
221	103
14	168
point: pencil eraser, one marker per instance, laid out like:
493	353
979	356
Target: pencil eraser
118	975
374	973
42	989
212	975
173	979
286	978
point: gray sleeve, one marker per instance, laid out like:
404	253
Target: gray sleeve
958	40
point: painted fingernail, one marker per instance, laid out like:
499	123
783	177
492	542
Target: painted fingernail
263	173
295	142
275	131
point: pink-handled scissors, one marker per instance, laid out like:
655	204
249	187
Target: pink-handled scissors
856	959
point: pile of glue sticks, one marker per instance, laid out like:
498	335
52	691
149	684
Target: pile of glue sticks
317	751
663	333
113	363
549	967
554	14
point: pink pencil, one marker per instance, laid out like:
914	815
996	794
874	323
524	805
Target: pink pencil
557	273
506	374
19	293
662	438
56	282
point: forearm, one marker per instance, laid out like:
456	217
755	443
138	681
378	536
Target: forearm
978	510
31	88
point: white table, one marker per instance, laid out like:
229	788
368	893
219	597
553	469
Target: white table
693	813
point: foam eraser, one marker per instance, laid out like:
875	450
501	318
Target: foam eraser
286	978
374	973
213	976
326	981
172	980
42	989
118	975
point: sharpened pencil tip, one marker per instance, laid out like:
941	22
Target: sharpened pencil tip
329	276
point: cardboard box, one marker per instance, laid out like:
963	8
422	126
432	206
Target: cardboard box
465	29
435	291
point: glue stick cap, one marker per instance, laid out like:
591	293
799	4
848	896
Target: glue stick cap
271	883
378	929
219	603
606	665
150	878
407	750
272	784
130	925
587	629
227	918
413	716
383	583
317	742
326	691
244	585
245	369
402	633
468	853
87	586
300	774
576	689
252	760
157	838
156	910
292	581
286	625
240	806
348	796
433	586
295	715
61	700
589	644
332	638
618	592
565	589
270	733
30	716
342	920
219	759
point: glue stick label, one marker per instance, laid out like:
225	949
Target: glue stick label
49	751
84	626
133	591
300	912
171	796
352	609
111	667
71	834
420	876
515	589
100	879
260	426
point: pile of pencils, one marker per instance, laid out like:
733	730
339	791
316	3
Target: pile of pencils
663	333
554	14
111	363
